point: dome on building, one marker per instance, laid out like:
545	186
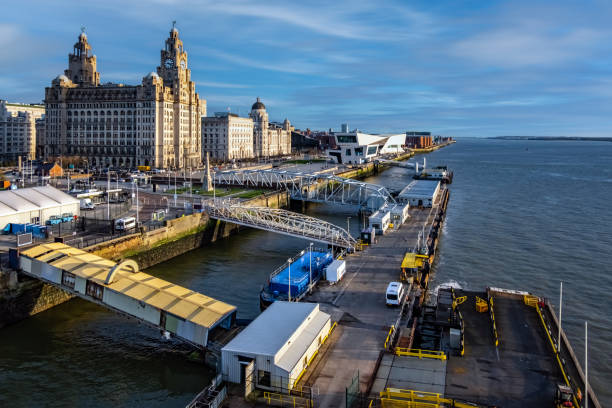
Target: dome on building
61	77
152	75
258	105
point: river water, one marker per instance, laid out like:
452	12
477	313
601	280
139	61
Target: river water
522	215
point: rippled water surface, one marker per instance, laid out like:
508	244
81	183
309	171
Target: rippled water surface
522	215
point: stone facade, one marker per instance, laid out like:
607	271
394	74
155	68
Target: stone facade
154	124
18	130
269	139
227	136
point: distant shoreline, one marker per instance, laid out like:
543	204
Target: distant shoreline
554	138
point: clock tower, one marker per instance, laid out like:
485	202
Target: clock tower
173	61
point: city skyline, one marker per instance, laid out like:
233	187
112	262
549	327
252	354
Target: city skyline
478	70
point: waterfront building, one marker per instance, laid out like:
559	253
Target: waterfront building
420	193
269	139
418	140
357	147
156	123
277	346
18	124
227	136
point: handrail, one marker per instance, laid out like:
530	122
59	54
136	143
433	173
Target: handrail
388	336
420	353
556	351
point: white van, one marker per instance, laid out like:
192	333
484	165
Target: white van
87	204
124	224
395	294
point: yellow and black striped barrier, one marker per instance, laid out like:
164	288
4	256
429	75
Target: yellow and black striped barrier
492	314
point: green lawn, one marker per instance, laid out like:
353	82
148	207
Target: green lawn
219	192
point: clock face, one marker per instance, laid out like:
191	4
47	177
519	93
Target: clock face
183	64
169	63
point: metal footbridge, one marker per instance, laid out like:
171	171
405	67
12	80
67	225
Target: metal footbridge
279	221
315	187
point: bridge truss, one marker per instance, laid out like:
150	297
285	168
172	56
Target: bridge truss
280	221
324	188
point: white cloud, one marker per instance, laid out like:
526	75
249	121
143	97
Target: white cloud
526	46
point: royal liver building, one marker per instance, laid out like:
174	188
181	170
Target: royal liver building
156	124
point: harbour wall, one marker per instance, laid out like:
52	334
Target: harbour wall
22	296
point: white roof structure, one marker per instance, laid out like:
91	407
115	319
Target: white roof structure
420	188
33	199
276	326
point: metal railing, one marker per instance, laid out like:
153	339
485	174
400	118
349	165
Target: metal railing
280	221
420	353
324	188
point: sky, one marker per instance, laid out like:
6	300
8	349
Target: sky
456	68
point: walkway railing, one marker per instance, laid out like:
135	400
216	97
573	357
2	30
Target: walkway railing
420	353
280	221
311	187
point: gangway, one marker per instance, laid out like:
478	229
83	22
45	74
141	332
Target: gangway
279	221
313	187
122	288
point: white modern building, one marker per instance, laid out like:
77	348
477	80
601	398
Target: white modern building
227	136
357	147
35	205
420	193
275	349
18	130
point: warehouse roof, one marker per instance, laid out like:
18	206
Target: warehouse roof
420	188
32	199
269	332
182	302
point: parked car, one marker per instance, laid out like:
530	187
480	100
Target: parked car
54	220
67	217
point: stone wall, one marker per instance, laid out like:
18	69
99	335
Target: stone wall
26	296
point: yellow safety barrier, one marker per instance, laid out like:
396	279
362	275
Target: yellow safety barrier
492	313
288	399
555	350
329	333
403	351
393	397
389	336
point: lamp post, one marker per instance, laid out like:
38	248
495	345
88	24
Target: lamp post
289	280
108	195
348	225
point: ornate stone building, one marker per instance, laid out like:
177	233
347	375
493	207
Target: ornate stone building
269	139
227	136
18	125
156	123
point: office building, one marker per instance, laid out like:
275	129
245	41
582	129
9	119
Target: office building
227	136
18	130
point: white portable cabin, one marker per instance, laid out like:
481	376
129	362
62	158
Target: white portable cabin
399	214
335	270
420	193
380	220
277	346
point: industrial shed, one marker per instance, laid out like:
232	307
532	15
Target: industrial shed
34	205
188	315
276	348
420	193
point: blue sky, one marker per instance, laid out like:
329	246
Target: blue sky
472	68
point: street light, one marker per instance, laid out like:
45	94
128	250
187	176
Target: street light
348	225
289	280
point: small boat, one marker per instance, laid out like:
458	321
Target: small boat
292	279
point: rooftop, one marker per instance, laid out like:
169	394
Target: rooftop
32	199
420	188
177	300
267	334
